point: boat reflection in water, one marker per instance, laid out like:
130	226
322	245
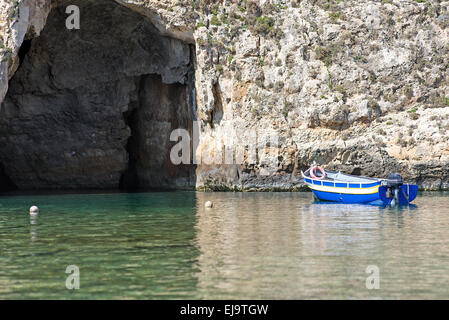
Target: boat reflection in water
280	245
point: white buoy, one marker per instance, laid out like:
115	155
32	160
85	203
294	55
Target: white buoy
208	204
34	210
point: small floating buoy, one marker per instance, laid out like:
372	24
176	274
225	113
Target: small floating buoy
208	204
34	210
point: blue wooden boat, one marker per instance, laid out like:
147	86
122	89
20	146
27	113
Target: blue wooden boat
345	188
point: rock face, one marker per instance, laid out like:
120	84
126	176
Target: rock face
78	96
356	86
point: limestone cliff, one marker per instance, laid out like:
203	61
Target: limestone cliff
358	86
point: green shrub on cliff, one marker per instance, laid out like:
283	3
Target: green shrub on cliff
215	21
261	24
324	54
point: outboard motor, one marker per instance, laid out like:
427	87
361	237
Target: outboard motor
393	183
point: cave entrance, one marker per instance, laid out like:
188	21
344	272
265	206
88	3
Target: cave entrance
94	108
6	183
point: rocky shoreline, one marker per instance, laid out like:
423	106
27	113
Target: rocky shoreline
356	86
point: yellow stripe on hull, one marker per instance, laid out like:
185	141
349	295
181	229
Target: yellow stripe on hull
371	190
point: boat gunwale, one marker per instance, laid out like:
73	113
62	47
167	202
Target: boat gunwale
303	173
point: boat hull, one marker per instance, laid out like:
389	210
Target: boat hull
345	197
344	192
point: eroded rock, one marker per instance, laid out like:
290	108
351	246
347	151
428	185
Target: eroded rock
64	122
358	86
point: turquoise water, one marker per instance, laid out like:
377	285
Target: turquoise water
164	245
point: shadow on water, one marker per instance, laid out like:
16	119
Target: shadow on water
126	245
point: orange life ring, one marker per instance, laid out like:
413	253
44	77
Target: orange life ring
312	173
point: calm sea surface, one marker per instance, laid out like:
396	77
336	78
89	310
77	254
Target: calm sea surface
166	245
